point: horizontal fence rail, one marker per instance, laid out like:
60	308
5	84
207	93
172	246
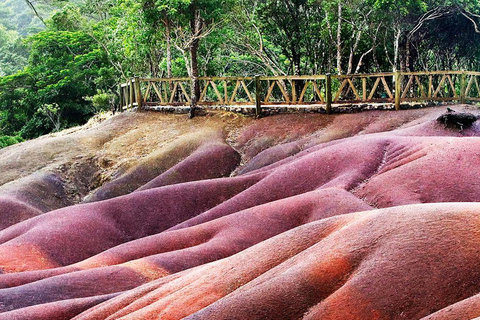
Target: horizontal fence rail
322	90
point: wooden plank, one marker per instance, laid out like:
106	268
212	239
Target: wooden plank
444	99
469	86
387	89
339	92
294	92
247	91
164	79
287	78
225	78
225	91
452	86
407	87
172	93
328	94
284	93
476	83
398	89
185	93
428	73
270	90
319	94
234	93
138	94
302	94
157	92
374	89
364	89
430	86
258	100
415	99
435	94
364	75
131	95
165	92
204	91
420	85
350	83
147	92
220	99
283	103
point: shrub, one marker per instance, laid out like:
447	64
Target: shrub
6	141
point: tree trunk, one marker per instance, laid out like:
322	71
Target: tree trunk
169	49
339	38
407	55
196	24
296	63
396	46
169	46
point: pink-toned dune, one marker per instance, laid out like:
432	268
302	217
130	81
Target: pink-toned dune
402	262
379	220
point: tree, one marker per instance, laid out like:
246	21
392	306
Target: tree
64	68
194	21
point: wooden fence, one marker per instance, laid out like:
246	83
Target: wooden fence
322	90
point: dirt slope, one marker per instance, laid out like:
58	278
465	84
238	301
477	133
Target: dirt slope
356	216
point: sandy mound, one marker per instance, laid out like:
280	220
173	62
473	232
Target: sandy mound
347	267
365	216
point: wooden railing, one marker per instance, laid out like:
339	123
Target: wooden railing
323	90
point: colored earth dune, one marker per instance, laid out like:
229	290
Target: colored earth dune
374	215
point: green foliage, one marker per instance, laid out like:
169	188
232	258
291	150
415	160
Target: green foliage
13	53
58	76
102	101
6	141
16	15
64	67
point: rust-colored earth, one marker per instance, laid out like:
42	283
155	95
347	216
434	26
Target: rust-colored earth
374	215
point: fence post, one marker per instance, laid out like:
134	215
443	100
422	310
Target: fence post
138	94
130	93
463	89
120	100
258	99
328	93
398	89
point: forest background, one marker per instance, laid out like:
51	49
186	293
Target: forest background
61	61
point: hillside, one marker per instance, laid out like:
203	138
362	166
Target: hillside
371	215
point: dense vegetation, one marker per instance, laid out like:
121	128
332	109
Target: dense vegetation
60	61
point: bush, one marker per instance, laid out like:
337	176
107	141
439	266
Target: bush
102	101
6	141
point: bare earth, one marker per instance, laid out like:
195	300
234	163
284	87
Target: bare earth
374	215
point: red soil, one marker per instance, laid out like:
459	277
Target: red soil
349	217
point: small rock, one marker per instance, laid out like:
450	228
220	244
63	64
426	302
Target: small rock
457	120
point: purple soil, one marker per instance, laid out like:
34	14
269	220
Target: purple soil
179	165
13	211
63	310
464	309
30	197
207	162
347	267
148	258
78	232
43	191
295	211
